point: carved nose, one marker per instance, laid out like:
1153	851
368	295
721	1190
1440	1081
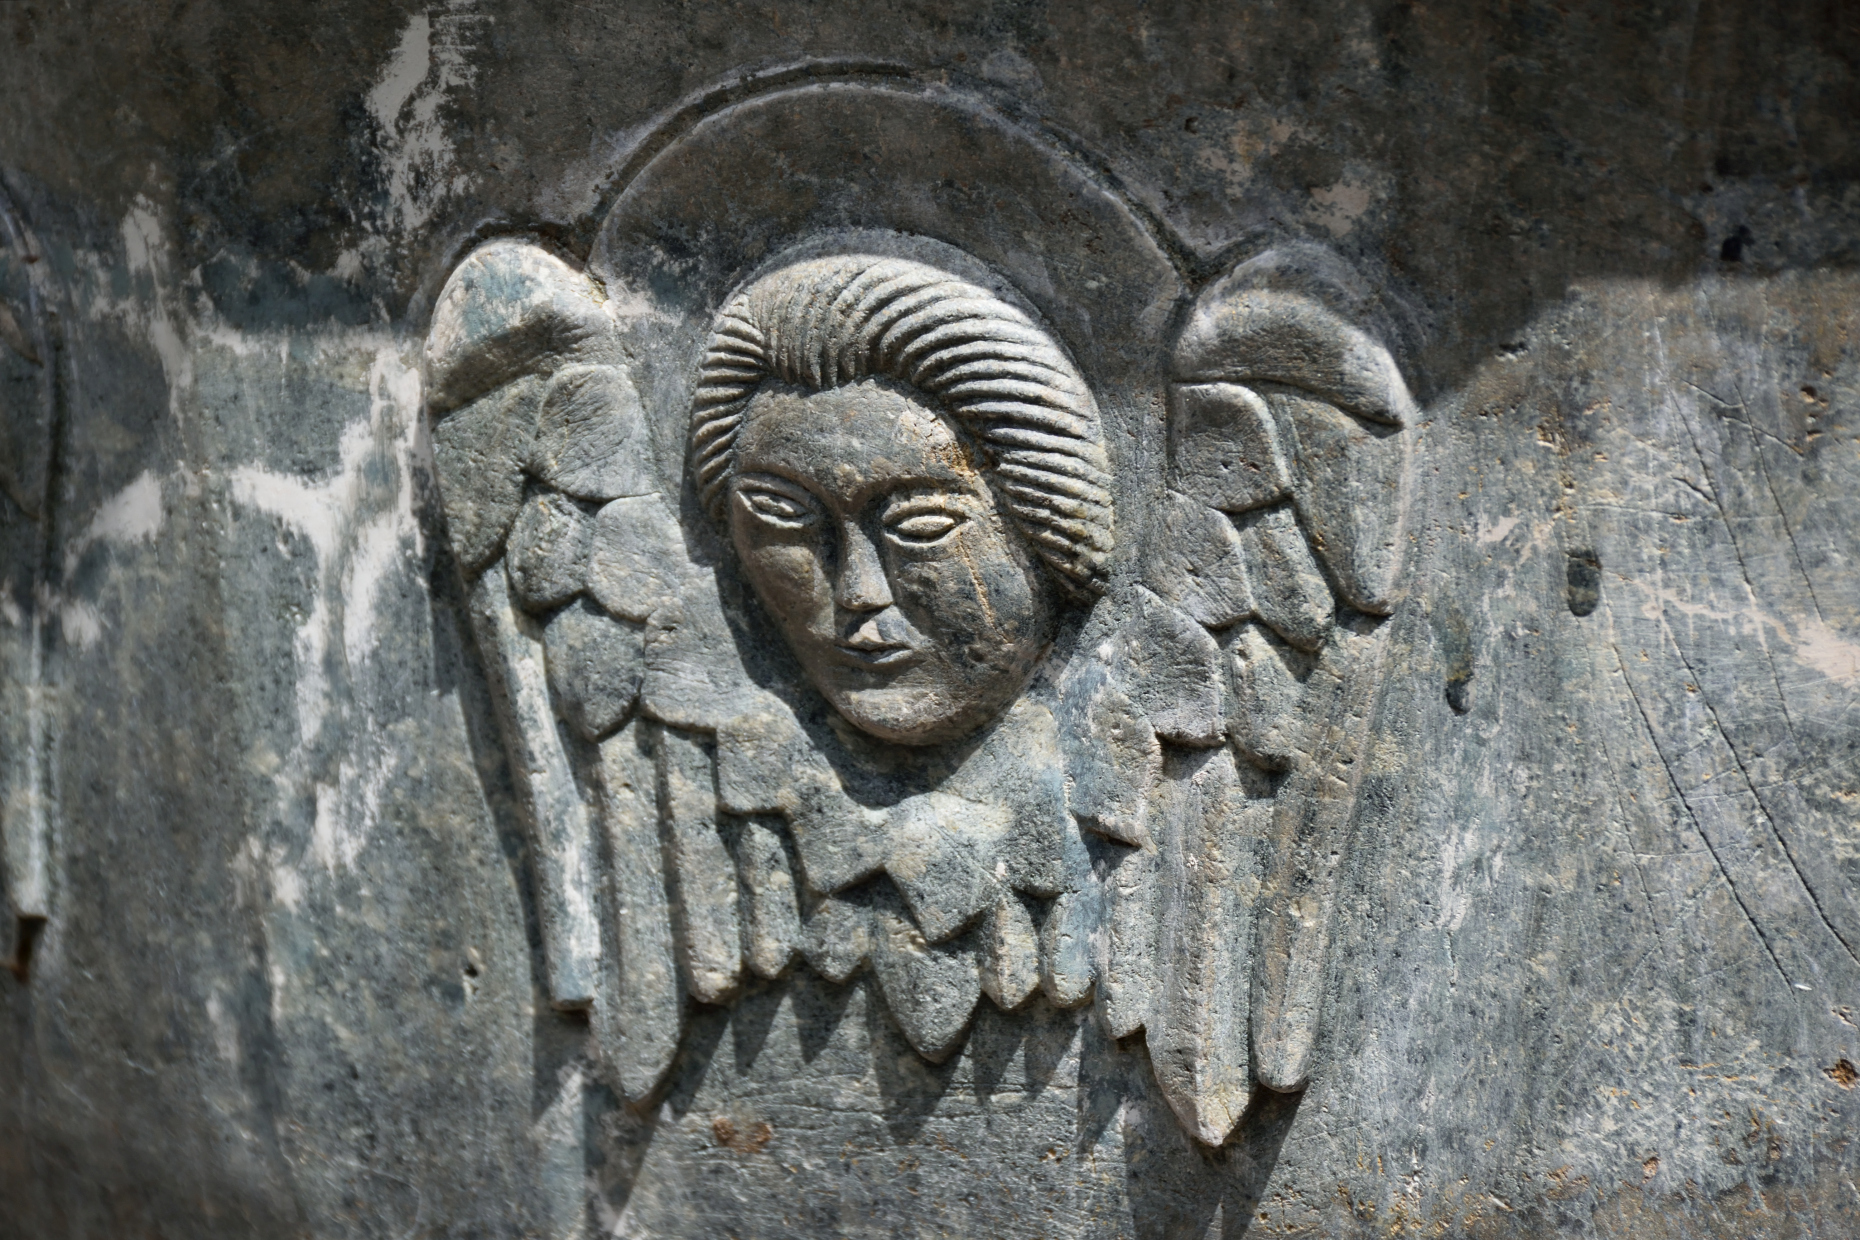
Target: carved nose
861	585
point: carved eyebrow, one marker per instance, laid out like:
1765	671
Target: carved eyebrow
919	496
786	487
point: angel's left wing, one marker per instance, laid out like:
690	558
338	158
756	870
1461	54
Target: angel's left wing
1225	722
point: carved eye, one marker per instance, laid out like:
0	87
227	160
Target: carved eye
785	511
922	527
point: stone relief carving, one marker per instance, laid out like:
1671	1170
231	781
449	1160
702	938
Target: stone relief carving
27	438
829	631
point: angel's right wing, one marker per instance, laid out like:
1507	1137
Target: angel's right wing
1226	720
585	604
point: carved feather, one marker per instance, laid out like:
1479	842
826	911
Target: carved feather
638	1014
560	839
1288	477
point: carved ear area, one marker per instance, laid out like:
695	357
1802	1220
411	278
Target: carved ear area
547	552
637	562
1278	336
1158	678
1199	564
1289	590
1177	674
479	452
595	664
1277	393
511	309
1109	774
763	763
766	765
1351	488
936	865
1223	447
591	437
1269	679
931	989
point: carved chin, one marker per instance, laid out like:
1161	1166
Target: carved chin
912	717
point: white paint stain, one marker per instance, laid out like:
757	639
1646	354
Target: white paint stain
145	250
145	245
133	514
412	61
1338	207
1452	901
1821	648
359	526
1810	642
1497	532
287	884
225	1032
79	623
428	64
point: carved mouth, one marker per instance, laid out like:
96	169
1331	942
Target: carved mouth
879	656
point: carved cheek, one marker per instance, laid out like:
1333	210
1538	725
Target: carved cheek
939	594
789	577
1002	585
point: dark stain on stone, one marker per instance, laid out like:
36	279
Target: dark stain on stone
1456	652
1732	251
26	935
1459	690
1584	578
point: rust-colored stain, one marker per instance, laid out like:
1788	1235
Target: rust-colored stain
1843	1073
750	1140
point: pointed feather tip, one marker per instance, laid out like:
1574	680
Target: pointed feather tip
1209	1120
714	986
1283	1069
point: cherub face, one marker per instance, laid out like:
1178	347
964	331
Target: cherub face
869	535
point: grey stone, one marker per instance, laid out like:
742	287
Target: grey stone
771	918
479	451
552	807
590	439
701	873
898	620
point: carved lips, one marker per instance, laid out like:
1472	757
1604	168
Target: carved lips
878	549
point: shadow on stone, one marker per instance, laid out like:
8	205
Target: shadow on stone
751	1020
819	1007
617	1140
1180	1190
911	1085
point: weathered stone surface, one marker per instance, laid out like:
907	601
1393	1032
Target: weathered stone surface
929	620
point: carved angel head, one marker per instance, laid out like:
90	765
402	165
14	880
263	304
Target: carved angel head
911	471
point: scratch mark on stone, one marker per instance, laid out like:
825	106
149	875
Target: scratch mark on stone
1653	738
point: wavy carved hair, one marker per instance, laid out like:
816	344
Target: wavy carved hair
827	322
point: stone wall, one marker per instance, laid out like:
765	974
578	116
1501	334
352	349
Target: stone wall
1542	917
